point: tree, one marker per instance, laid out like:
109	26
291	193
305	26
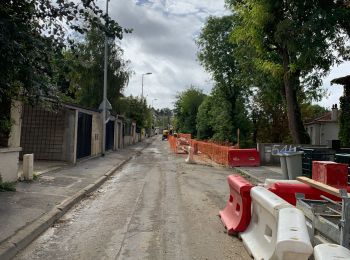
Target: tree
216	54
296	41
32	33
204	119
136	109
86	70
186	108
311	111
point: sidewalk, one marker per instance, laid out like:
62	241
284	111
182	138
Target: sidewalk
261	173
34	207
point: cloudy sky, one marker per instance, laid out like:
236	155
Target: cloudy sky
163	43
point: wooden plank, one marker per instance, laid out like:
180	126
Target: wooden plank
320	186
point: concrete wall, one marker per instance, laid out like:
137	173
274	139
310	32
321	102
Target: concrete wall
321	132
9	158
96	136
266	151
70	136
16	117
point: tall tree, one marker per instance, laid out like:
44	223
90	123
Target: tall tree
216	54
85	70
297	41
186	109
32	32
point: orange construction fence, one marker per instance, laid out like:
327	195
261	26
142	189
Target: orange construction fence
215	152
172	142
225	155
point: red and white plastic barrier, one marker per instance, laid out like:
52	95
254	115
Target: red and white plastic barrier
293	241
270	182
237	213
287	191
261	234
331	252
243	157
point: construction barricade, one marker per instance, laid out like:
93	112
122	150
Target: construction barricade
261	234
293	241
172	143
182	145
215	152
271	182
287	190
331	252
236	215
330	173
243	157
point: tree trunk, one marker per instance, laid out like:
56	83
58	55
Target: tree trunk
295	122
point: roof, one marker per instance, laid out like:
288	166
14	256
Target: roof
341	81
324	118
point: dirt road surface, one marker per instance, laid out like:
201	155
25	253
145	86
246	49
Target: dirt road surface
155	207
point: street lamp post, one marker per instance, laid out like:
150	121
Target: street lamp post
104	102
148	73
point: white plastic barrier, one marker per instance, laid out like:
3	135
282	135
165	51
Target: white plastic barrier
189	158
261	234
293	241
331	252
270	182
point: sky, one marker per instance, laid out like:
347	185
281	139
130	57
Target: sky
163	43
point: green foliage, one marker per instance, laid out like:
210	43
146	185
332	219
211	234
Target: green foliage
294	41
186	108
223	113
33	34
136	109
344	132
7	186
311	111
84	70
164	117
204	119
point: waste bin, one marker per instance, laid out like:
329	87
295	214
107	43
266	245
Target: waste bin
284	169
294	164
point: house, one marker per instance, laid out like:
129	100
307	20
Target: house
324	128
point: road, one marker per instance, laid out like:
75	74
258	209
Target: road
155	207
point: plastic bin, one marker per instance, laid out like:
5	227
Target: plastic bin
344	158
294	164
314	154
283	162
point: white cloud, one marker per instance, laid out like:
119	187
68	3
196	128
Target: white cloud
163	43
334	91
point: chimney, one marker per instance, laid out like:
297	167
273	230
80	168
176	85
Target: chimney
334	116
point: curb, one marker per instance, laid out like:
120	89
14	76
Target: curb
255	179
22	238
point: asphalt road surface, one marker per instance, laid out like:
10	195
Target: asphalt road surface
155	207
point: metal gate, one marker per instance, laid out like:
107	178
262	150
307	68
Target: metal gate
84	135
109	135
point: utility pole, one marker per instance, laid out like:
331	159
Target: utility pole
104	102
148	73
